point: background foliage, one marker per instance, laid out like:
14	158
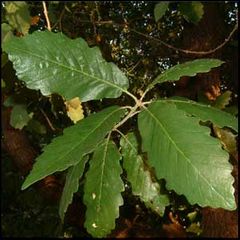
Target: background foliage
134	54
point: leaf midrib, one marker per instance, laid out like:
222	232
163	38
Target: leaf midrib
75	146
102	173
182	153
71	69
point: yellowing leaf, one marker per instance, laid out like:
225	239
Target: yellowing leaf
74	109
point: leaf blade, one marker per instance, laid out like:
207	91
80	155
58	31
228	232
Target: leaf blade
76	141
75	71
160	9
172	145
71	186
190	68
140	179
192	12
102	190
206	112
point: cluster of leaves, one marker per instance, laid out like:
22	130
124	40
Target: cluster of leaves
171	131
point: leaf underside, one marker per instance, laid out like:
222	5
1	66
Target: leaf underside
102	190
139	176
71	186
190	68
205	112
53	63
76	141
183	153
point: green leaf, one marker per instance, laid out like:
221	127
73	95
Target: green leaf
9	102
139	176
19	116
205	112
183	153
190	68
67	150
192	11
6	32
18	16
103	188
160	9
54	63
71	186
223	100
35	126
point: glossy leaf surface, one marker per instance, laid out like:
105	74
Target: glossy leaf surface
54	63
186	156
190	68
139	176
67	150
103	188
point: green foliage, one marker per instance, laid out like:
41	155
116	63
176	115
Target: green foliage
103	189
176	153
223	100
18	16
68	150
6	31
206	112
71	186
190	68
139	176
160	9
191	11
171	135
75	71
19	116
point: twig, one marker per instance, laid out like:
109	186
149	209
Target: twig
189	51
46	16
59	19
170	46
48	121
130	114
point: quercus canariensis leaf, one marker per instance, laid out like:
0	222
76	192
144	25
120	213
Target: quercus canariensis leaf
183	153
205	112
71	185
190	68
53	63
102	190
139	176
67	150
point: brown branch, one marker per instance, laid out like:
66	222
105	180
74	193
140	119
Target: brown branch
172	47
59	19
48	121
189	51
46	16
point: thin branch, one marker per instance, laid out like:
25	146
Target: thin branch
45	11
130	114
48	121
189	51
59	19
170	46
